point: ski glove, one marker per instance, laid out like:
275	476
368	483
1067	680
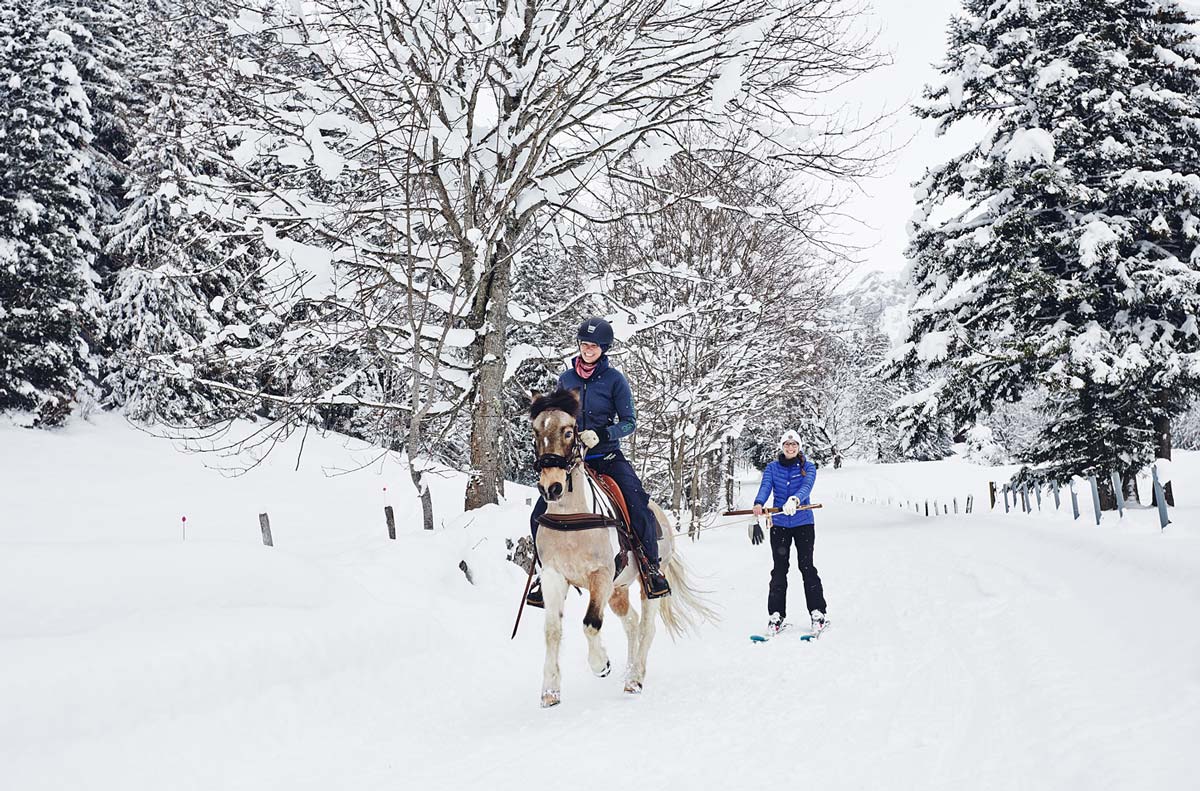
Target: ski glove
589	438
756	533
791	505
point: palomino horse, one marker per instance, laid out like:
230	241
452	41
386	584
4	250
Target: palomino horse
585	557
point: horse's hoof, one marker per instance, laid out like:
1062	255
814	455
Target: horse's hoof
633	687
551	698
607	669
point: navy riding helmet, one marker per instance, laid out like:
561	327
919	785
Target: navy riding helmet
596	330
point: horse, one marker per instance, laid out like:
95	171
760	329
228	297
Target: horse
579	552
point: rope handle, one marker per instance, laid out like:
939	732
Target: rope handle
749	511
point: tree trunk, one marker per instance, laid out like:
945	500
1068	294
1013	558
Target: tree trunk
729	451
1129	487
697	502
486	484
677	446
1108	498
1162	436
712	482
418	479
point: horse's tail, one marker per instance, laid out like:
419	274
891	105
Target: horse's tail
686	606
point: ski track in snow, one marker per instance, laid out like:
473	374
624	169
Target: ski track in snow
979	652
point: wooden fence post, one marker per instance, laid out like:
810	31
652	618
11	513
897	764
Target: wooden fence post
992	495
1159	498
264	523
1095	497
1056	500
1074	499
390	516
970	502
1006	498
956	506
1037	492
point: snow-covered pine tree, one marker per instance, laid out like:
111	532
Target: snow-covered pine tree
1060	252
1186	430
47	245
179	281
104	34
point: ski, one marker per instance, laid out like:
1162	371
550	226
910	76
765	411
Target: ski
766	638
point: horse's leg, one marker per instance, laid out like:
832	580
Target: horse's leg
554	592
619	602
645	638
599	589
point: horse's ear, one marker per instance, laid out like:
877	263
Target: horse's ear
533	396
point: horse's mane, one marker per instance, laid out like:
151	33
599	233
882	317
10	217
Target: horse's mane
565	400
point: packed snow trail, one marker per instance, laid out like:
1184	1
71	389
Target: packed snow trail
980	652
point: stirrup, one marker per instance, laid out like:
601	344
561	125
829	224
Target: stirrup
621	562
653	579
534	598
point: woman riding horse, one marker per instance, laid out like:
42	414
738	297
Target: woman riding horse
607	414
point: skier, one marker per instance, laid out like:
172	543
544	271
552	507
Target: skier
606	414
789	479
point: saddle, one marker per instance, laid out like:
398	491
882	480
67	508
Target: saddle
625	538
609	486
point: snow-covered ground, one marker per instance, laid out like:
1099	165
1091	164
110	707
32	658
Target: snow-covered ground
987	651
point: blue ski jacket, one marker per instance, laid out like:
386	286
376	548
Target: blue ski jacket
785	480
606	405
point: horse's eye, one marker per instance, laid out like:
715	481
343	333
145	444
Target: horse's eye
570	433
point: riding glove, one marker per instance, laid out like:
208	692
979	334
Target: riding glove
589	438
791	505
756	533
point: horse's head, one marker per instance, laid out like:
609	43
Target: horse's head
554	440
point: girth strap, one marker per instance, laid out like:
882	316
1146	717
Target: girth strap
577	521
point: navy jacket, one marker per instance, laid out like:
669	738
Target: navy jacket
606	404
786	480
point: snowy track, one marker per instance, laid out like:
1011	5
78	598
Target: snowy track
981	653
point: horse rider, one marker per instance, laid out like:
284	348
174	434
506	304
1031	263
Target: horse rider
789	480
606	414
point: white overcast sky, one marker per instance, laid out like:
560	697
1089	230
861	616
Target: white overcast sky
914	32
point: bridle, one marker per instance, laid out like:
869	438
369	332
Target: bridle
568	463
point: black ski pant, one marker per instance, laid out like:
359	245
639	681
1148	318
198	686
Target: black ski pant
645	526
782	539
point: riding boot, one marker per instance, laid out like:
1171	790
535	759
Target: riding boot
655	581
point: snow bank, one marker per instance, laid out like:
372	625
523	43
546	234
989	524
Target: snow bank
133	659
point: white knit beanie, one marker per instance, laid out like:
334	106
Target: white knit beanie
789	436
